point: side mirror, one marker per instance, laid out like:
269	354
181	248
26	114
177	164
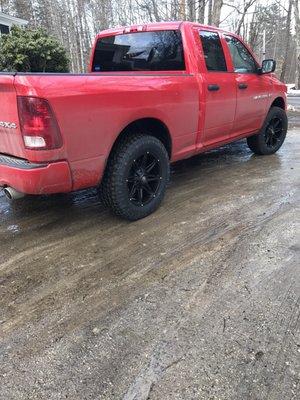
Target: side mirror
267	67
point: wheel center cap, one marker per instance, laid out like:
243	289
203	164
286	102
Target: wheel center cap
141	177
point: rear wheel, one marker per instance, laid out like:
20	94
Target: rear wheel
136	177
272	134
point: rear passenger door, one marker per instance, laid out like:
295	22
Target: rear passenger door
218	99
253	90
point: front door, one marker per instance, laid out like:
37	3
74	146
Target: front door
218	100
253	90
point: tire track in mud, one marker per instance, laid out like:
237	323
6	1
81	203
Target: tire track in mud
107	309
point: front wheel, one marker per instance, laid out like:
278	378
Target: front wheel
272	135
136	177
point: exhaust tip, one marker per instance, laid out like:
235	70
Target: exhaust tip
12	194
7	194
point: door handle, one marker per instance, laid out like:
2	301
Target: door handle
213	88
243	85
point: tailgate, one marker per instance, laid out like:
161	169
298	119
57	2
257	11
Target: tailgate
11	141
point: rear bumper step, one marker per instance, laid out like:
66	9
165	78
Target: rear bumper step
19	163
33	178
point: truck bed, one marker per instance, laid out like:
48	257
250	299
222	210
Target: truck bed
92	109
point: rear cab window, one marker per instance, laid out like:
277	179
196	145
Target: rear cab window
213	51
140	51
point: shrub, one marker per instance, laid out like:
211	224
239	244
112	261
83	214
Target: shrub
32	50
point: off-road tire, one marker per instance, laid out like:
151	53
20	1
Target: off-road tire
261	143
114	190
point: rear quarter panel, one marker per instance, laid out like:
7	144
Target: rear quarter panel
93	109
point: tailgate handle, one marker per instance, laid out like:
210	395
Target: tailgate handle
213	88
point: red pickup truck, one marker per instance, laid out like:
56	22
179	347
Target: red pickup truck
154	94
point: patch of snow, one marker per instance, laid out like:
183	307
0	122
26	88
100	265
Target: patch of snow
291	90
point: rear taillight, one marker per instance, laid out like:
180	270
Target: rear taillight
38	124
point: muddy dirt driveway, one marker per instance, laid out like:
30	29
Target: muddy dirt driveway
198	301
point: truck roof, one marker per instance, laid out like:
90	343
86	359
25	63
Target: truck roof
155	26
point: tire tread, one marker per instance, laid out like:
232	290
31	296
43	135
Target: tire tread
256	142
109	190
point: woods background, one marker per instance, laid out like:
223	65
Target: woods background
75	23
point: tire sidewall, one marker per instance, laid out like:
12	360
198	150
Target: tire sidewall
134	151
274	111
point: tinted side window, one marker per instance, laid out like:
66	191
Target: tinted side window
243	61
141	51
213	51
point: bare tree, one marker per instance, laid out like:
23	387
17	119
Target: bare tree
246	6
182	14
297	27
210	11
191	12
287	40
216	12
24	8
201	11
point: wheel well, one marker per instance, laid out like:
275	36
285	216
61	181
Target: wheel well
279	102
151	126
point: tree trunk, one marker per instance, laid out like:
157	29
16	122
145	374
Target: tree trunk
210	10
191	10
247	5
297	27
201	13
253	29
287	41
216	12
182	15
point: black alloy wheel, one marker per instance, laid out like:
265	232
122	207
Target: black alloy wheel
272	134
144	180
